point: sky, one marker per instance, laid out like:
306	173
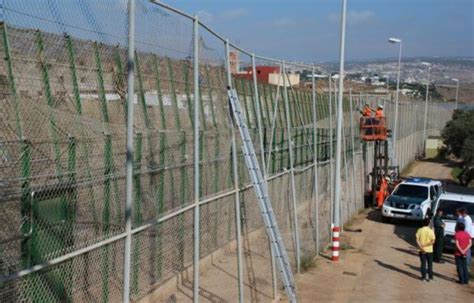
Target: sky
309	30
293	30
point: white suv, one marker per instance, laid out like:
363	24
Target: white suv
454	198
412	199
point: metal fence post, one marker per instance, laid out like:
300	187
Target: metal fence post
331	170
129	164
315	156
196	160
292	172
235	174
262	155
354	188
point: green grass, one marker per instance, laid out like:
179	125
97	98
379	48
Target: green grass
307	262
345	246
456	172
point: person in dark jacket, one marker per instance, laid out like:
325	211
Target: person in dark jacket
438	225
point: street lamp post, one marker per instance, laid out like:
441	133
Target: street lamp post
426	104
395	126
337	187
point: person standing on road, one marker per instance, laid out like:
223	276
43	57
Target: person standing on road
439	235
382	193
468	229
463	247
425	238
460	218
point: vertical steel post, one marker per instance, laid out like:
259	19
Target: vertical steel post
354	188
196	160
292	171
129	164
259	120
11	79
337	189
235	172
388	91
426	110
331	170
346	178
262	155
315	157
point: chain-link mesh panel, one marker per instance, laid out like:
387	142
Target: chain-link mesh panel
65	168
62	154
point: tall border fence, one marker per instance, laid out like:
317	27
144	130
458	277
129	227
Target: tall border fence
63	118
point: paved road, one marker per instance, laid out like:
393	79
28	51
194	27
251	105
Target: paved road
380	264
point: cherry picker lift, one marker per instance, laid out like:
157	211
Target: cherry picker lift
374	129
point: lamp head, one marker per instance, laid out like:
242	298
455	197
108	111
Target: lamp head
426	63
394	40
455	80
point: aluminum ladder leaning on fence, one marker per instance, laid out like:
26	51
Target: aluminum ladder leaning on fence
271	225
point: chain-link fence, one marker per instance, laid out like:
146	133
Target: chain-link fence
63	135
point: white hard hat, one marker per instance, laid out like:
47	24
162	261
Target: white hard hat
380	106
387	178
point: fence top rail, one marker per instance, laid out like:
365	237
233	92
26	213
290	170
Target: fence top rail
175	10
225	40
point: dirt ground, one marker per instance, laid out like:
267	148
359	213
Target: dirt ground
428	169
380	263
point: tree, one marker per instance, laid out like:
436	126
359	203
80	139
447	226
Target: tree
458	136
458	130
468	151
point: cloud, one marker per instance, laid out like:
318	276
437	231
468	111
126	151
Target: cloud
205	16
284	22
354	17
233	14
227	15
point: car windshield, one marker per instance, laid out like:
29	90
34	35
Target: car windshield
449	208
412	191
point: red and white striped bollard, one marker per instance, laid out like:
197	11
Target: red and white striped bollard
335	243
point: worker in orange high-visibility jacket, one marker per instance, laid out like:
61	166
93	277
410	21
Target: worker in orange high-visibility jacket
379	112
367	111
382	193
366	119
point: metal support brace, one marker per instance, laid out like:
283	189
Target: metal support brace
292	172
